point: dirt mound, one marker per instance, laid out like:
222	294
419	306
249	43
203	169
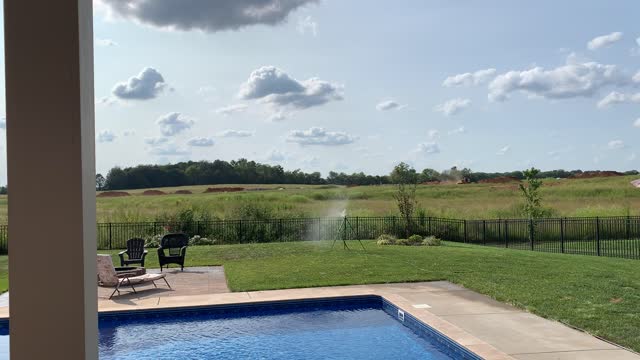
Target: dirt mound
499	180
183	192
223	189
154	192
113	194
595	174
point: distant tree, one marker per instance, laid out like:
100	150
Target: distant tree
428	175
405	179
531	193
100	182
3	190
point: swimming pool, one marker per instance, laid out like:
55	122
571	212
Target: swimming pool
365	327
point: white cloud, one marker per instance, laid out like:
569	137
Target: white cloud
319	136
604	40
273	86
144	86
3	123
469	79
277	117
427	148
458	130
389	105
173	124
636	123
616	145
231	109
201	142
614	98
106	136
636	78
307	24
234	133
275	156
632	157
453	106
155	141
169	149
128	132
504	150
433	134
638	41
574	79
204	15
105	42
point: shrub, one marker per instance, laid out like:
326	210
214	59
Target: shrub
152	241
404	242
386	239
431	241
198	241
414	240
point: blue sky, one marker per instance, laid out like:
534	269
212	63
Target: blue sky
361	85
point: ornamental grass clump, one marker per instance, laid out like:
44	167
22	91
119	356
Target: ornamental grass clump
386	239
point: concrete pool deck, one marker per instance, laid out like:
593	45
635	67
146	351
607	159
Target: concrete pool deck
487	327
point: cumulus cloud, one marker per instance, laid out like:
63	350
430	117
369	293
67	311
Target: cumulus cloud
433	134
3	123
275	156
504	150
129	132
604	40
453	106
155	141
458	130
307	24
169	149
636	123
277	117
144	86
275	87
201	142
234	133
389	105
231	109
636	78
470	79
574	79
427	148
319	136
106	136
614	98
204	15
615	145
173	124
105	42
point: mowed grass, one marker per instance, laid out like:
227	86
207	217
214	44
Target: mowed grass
599	295
4	273
569	197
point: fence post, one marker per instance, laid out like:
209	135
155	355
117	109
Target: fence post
357	228
531	233
484	232
319	228
429	222
506	237
464	225
110	238
561	236
598	235
628	227
198	228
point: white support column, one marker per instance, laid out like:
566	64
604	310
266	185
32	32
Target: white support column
51	173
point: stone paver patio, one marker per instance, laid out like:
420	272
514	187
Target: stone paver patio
491	329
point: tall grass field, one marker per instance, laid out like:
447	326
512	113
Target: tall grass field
567	197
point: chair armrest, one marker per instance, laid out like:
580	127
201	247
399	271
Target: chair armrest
160	252
183	250
123	252
144	253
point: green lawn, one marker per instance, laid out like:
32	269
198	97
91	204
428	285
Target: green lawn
600	295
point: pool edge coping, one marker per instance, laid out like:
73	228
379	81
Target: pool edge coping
429	320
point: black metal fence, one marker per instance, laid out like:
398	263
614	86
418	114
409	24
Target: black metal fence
605	236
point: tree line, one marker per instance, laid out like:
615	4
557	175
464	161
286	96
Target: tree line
243	171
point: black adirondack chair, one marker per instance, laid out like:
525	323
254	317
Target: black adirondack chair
135	253
176	249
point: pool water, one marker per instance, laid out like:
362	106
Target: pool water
325	330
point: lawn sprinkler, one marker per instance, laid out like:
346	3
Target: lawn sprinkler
346	224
